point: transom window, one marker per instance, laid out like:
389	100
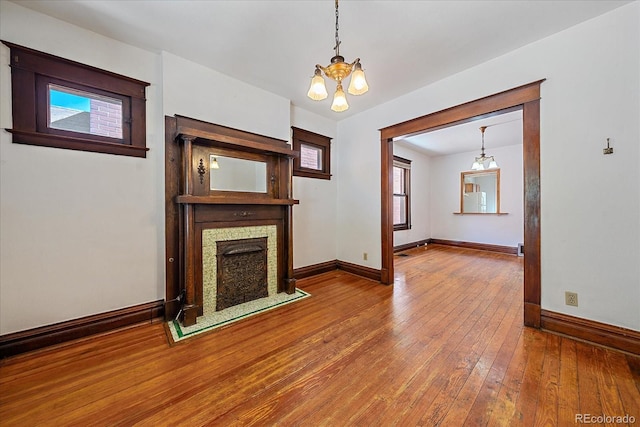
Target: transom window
65	104
85	112
314	160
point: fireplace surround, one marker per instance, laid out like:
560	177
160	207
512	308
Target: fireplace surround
207	225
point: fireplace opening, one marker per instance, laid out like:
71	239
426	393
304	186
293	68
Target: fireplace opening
241	271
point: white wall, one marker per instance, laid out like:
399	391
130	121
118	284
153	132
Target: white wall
79	231
420	196
192	90
314	219
506	230
590	245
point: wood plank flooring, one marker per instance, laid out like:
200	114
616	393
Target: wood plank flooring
443	346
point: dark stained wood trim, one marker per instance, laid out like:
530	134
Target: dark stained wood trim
360	270
231	138
527	98
172	162
513	250
484	107
314	269
411	245
599	333
32	71
302	136
33	339
324	267
531	172
386	205
77	72
79	144
224	200
532	314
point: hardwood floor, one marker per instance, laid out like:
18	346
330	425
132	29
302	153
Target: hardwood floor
444	346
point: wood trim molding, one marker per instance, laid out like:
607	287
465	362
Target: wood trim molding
525	98
595	332
411	245
324	267
512	250
33	339
312	270
360	270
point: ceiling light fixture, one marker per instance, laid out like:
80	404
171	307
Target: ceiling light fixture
338	70
479	162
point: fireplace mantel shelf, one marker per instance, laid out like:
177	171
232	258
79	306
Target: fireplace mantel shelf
223	200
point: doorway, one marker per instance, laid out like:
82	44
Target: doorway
527	98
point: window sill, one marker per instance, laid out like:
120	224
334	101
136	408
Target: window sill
311	174
71	143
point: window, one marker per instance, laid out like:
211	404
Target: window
315	154
401	193
79	111
65	104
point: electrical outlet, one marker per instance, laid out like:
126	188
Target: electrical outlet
571	298
365	256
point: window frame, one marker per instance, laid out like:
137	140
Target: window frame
323	143
405	165
31	73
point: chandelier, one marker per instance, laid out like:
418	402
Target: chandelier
479	162
338	70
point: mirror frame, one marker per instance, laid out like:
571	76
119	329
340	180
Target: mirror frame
485	171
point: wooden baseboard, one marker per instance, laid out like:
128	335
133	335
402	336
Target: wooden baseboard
324	267
513	250
312	270
589	330
360	270
411	245
33	339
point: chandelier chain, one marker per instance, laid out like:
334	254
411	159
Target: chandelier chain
337	47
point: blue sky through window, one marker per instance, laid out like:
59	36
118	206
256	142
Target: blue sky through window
67	100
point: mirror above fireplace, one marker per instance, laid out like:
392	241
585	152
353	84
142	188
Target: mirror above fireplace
234	174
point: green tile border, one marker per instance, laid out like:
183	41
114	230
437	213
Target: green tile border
233	314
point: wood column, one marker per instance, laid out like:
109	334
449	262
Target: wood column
531	165
190	308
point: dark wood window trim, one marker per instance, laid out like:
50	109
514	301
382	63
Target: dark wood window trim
31	73
300	137
405	164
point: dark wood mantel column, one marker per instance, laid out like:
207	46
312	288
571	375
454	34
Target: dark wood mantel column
190	308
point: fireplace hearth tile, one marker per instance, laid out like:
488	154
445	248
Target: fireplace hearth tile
218	319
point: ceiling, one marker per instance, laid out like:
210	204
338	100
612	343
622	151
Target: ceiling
502	130
274	45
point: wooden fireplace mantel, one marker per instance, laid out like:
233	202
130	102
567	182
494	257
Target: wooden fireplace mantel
222	200
191	206
222	136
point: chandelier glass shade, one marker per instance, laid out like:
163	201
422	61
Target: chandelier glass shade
338	70
480	161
